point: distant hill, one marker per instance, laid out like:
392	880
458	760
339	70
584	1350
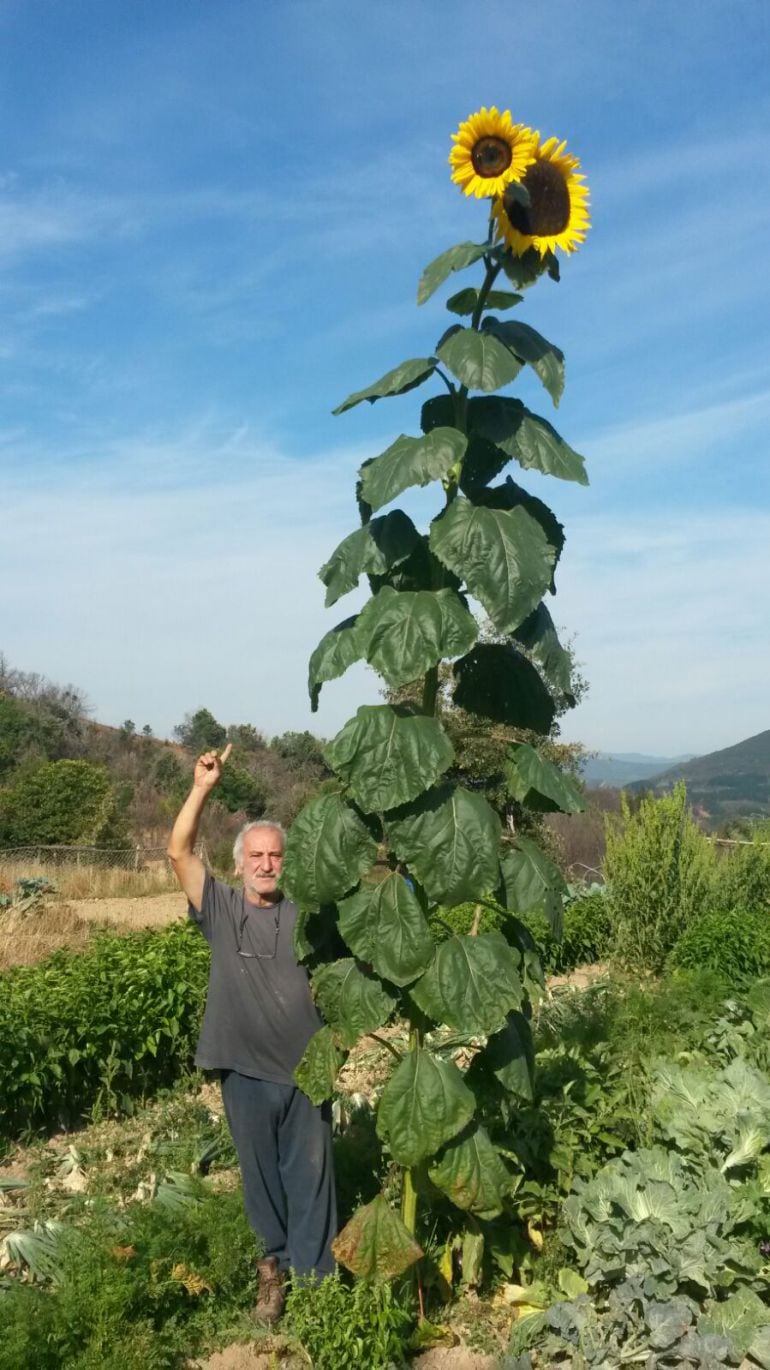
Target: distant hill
731	783
615	770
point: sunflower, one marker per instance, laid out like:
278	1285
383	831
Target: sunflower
557	213
490	152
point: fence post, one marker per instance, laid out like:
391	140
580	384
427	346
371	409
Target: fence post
137	850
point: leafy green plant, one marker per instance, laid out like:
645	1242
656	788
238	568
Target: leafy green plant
93	1031
586	932
742	878
391	801
734	942
62	801
658	866
343	1327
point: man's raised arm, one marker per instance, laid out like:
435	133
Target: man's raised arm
188	868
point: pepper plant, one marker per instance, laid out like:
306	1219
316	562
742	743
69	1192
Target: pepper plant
370	859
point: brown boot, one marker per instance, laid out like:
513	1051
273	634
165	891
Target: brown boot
270	1291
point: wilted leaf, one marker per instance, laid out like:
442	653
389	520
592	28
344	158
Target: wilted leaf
470	1171
375	1243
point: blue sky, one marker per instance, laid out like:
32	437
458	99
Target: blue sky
212	221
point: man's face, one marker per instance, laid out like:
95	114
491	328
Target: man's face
261	863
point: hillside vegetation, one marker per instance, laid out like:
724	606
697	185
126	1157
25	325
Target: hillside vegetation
731	783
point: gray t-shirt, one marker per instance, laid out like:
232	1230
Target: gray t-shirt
259	1014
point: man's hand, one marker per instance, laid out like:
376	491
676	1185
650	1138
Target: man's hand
208	769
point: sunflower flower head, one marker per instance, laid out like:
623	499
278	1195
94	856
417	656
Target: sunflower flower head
557	213
490	151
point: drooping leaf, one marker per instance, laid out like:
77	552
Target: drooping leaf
472	983
337	650
497	682
352	1002
423	1105
384	926
396	382
523	271
375	548
503	554
539	784
538	635
388	756
449	839
375	1244
411	461
404	633
546	360
319	1067
465	301
327	851
510	1055
454	259
471	1172
525	437
479	360
532	881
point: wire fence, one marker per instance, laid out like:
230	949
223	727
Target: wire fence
132	858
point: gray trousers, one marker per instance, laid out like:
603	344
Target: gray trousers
284	1146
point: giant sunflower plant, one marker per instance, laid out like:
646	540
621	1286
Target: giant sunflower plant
370	859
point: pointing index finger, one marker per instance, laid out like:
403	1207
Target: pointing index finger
226	752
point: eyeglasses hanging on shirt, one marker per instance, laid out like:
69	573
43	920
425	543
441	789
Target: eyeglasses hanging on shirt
259	955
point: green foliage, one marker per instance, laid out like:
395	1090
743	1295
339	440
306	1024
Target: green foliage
734	942
586	934
138	1289
658	866
200	732
343	1327
91	1032
62	802
742	878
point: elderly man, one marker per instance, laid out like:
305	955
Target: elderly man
258	1020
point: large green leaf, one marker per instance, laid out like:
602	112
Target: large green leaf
510	1055
396	382
404	633
454	259
449	839
384	925
540	785
503	554
376	1244
373	549
337	650
472	983
479	360
538	635
465	301
423	1105
528	439
411	461
532	881
327	851
526	344
387	755
319	1067
471	1173
351	1001
497	682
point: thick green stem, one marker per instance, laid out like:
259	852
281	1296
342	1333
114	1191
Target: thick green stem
408	1191
430	691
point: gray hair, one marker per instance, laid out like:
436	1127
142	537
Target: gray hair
249	827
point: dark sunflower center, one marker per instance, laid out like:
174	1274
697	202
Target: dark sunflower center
548	210
491	156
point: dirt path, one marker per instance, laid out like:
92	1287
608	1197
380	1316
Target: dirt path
144	911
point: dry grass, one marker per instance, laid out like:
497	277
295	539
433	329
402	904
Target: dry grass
25	938
91	881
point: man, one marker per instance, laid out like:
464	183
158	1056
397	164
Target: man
258	1020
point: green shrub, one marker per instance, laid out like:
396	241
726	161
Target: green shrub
85	1033
62	801
585	937
342	1325
734	942
659	869
459	919
742	878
